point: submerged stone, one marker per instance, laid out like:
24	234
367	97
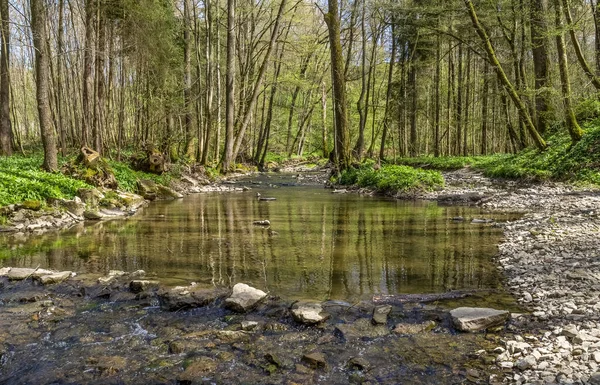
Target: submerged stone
406	328
361	328
471	319
315	360
244	298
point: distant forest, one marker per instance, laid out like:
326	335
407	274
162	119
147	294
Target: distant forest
221	82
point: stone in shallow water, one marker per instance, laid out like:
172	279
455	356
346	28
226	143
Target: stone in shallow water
315	360
50	279
137	286
361	329
19	274
406	328
186	298
244	298
309	313
380	314
471	319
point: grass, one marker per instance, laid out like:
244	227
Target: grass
127	177
561	161
391	179
22	179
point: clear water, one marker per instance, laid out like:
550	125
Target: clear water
319	245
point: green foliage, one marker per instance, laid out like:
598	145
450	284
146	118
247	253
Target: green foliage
439	163
22	179
392	178
587	110
127	178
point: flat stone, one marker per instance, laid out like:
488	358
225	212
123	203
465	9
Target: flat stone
380	314
189	297
308	313
4	271
249	325
315	360
471	319
93	215
59	277
594	379
244	298
361	329
526	363
19	274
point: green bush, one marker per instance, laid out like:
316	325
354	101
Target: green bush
392	178
588	110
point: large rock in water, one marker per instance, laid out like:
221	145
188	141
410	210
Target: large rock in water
244	298
308	313
472	319
181	298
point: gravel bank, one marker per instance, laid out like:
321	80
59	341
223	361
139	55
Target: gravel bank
551	260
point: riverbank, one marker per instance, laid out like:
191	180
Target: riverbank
551	263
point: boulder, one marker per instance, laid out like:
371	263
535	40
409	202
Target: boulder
361	329
75	206
4	271
90	196
471	319
19	274
93	215
53	278
244	298
138	285
308	313
380	314
151	190
181	298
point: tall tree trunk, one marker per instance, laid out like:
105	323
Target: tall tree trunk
42	64
484	108
541	65
438	101
572	126
388	95
508	86
88	85
226	162
187	79
258	86
364	89
99	104
6	134
332	18
324	120
578	52
596	15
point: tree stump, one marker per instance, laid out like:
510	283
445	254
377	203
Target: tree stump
89	157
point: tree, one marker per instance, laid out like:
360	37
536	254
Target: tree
508	86
227	159
42	64
6	134
571	122
541	64
342	143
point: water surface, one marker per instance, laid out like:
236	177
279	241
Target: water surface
319	245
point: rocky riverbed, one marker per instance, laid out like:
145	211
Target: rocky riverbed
551	260
64	328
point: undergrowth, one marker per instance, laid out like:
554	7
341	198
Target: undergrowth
22	179
392	178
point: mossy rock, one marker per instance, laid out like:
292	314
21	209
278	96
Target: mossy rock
34	205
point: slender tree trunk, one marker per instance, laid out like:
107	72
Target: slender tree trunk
572	126
332	19
438	101
508	86
484	108
88	85
388	95
360	104
596	15
541	65
577	47
226	163
324	120
187	79
6	133
42	64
